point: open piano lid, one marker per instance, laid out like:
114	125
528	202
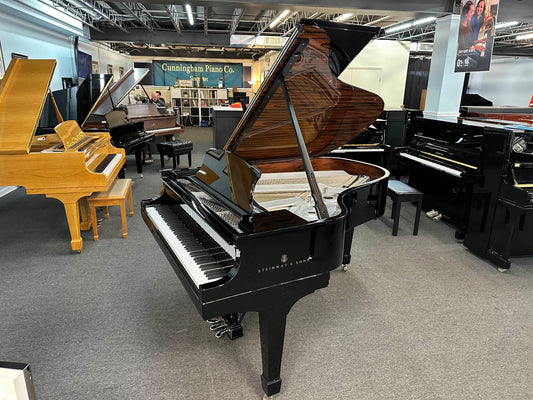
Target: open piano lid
22	96
109	99
330	112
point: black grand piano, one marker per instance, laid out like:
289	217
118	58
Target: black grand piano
263	221
97	102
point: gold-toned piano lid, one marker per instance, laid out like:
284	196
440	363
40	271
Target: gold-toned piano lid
22	96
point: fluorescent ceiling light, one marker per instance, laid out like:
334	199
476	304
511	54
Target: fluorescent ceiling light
525	36
189	13
423	21
407	25
278	19
398	28
343	17
502	25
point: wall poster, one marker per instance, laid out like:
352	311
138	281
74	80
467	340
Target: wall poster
476	35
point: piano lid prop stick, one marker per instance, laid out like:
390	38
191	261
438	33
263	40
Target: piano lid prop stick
321	208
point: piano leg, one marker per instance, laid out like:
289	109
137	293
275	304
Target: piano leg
272	332
139	161
85	214
72	210
272	320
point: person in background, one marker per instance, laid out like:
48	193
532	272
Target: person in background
465	29
157	99
478	19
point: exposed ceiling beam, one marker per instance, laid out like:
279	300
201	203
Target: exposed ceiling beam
172	13
206	21
141	14
78	13
105	13
237	15
157	37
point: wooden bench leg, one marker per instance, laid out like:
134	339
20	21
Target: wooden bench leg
106	212
130	201
123	216
94	222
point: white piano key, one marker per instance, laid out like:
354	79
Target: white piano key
112	164
179	248
430	164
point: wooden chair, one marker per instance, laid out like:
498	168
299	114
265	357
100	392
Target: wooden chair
114	196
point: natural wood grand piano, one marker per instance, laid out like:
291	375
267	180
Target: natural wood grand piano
67	165
263	222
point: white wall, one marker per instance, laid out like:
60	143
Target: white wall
508	83
381	68
17	36
104	56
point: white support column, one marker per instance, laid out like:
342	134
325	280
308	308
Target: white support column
444	85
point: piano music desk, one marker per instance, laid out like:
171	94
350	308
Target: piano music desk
114	196
400	192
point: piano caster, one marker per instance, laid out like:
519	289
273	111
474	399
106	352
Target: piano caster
141	176
500	269
267	397
344	267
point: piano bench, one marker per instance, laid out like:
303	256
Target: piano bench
114	196
174	149
400	192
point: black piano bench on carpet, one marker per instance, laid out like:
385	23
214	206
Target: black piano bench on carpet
400	192
174	149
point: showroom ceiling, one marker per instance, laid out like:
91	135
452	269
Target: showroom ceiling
240	29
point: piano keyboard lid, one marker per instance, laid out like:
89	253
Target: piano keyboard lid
330	112
25	83
109	98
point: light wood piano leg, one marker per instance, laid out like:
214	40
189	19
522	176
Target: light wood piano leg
72	210
73	219
85	214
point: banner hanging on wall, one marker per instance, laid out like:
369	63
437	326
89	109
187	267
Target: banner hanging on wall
476	35
166	73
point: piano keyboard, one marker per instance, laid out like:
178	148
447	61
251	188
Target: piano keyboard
196	247
107	165
431	164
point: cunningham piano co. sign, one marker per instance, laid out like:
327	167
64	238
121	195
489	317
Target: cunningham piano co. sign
166	73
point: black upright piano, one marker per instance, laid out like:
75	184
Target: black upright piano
265	219
479	175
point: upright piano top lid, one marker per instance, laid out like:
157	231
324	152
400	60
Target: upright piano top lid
330	112
112	97
22	95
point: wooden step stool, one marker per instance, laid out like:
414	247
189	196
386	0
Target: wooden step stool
400	192
114	196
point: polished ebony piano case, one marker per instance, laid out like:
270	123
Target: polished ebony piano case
263	221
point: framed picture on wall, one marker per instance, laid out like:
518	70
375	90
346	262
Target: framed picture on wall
17	55
109	69
121	71
94	68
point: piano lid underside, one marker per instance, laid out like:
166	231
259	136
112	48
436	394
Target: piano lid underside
330	113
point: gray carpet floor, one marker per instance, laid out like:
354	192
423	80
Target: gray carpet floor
414	317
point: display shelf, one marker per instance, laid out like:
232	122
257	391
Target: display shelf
195	103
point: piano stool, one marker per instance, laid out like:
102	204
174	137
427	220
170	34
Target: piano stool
174	149
400	192
114	196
